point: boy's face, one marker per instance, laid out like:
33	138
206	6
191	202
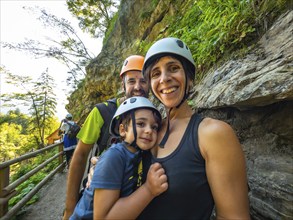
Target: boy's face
146	129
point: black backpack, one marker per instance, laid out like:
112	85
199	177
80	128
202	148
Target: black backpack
73	130
107	112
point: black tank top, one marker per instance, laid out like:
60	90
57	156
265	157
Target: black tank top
189	195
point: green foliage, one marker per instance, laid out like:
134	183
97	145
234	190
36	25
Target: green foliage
29	184
144	46
214	28
111	27
16	139
24	190
70	50
209	28
147	13
41	99
15	117
94	16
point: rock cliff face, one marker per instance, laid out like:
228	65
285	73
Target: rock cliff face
254	94
102	80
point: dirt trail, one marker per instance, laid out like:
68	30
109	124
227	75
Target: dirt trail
51	201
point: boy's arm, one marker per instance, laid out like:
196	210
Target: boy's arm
108	205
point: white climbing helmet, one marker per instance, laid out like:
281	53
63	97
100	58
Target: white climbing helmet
167	46
132	103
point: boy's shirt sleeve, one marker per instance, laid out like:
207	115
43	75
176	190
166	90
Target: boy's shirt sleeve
91	129
109	171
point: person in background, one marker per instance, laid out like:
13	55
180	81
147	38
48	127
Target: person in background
118	171
133	84
69	143
201	156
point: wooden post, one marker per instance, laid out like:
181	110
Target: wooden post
4	181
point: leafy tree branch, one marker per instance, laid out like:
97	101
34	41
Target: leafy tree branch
70	50
94	16
40	98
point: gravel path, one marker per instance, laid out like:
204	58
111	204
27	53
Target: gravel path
51	203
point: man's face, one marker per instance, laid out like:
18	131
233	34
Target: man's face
134	84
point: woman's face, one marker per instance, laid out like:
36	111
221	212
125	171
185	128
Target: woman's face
167	79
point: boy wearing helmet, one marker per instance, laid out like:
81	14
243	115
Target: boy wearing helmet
117	173
133	84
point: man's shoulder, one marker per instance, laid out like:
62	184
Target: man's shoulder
109	102
108	107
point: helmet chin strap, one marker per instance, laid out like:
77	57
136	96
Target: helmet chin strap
133	144
166	135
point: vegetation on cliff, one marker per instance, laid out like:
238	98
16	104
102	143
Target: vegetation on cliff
212	29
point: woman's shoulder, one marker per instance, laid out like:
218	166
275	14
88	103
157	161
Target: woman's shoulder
210	126
214	135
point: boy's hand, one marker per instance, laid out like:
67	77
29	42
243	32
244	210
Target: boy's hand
156	179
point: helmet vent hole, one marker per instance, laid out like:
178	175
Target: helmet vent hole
126	62
132	100
180	43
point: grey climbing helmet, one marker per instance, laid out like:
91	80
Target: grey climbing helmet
128	105
168	46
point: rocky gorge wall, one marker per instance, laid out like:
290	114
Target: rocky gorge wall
254	94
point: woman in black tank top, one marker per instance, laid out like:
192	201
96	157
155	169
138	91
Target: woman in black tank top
202	158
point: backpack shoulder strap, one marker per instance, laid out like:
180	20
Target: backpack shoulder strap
107	112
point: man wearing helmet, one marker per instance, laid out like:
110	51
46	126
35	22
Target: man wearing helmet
133	84
117	173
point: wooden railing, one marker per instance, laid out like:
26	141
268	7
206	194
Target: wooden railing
8	190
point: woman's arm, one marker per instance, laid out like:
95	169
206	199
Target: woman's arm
108	205
225	167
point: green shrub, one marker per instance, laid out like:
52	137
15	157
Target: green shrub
26	166
214	28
